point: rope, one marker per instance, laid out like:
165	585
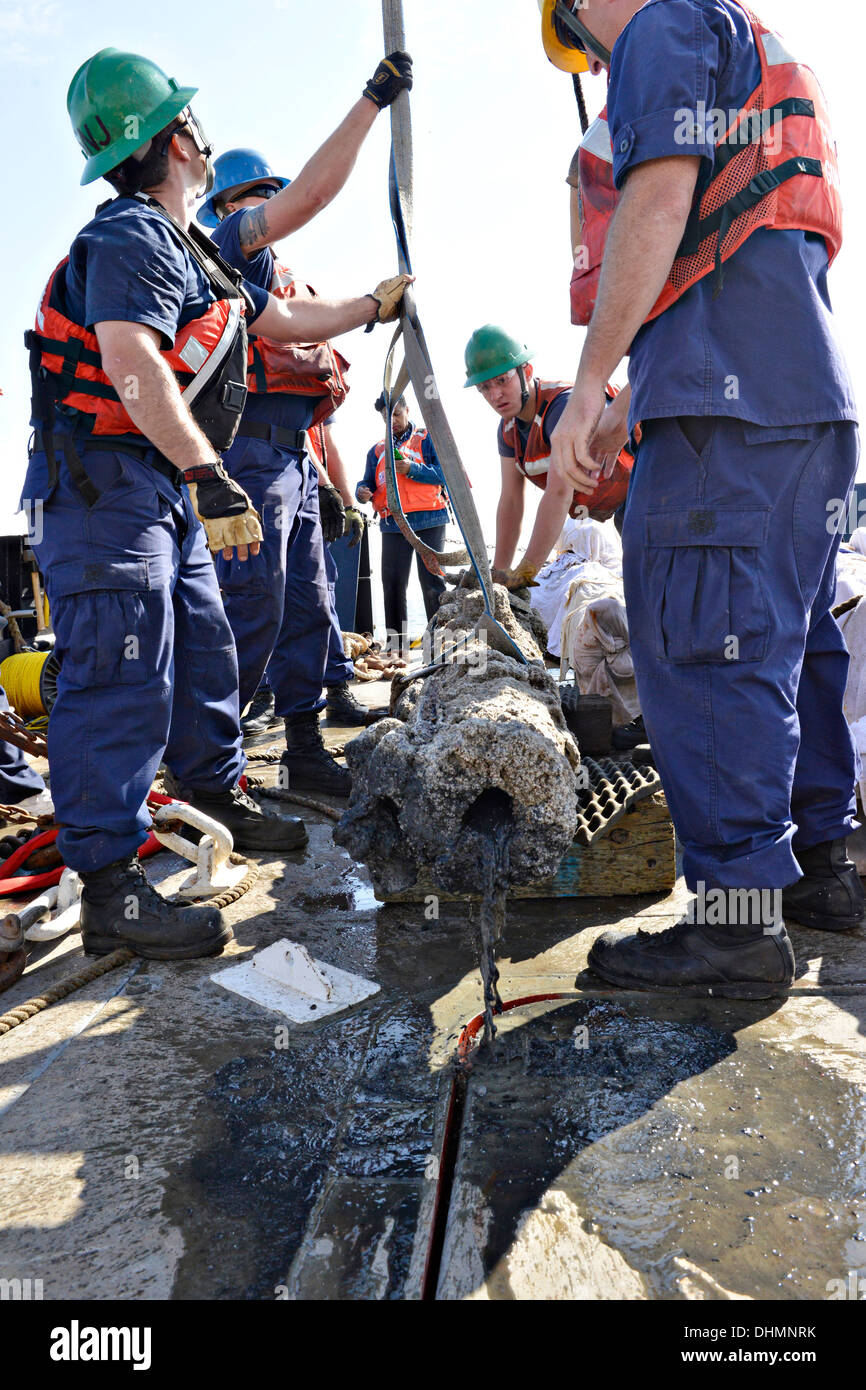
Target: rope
418	367
20	676
581	103
231	895
295	798
11	1020
14	629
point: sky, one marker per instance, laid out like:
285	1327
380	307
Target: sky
495	126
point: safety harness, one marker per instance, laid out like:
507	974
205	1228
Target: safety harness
208	359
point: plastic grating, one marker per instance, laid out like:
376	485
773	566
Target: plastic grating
614	787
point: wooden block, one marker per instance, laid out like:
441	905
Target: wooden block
637	855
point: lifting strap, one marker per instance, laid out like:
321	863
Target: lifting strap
418	369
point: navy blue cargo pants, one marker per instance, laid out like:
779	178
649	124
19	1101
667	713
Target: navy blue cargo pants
729	556
147	658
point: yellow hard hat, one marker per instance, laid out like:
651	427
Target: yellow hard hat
568	59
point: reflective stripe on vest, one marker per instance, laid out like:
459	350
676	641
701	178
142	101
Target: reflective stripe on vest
314	369
70	362
533	458
775	167
414	496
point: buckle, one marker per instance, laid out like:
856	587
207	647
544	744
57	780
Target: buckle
234	396
763	183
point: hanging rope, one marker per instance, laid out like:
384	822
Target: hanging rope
581	102
418	368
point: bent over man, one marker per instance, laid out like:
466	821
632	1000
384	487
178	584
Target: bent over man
139	364
499	367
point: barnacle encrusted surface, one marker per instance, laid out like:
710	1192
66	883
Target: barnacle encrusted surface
484	725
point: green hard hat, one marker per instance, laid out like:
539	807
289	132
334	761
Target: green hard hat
491	352
117	102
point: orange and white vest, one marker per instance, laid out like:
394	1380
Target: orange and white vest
775	166
207	356
533	458
414	497
314	369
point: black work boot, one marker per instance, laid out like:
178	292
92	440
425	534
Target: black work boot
345	709
120	907
261	715
308	764
631	735
752	963
830	895
251	826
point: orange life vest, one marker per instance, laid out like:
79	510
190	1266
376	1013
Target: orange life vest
67	368
314	369
415	497
533	458
775	166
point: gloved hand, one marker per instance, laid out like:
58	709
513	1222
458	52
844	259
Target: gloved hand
355	523
521	577
228	516
392	76
389	293
332	512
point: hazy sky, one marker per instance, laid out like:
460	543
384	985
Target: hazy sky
495	127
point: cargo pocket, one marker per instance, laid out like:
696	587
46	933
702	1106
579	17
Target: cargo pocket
705	586
107	620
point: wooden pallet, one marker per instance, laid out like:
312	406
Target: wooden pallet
637	855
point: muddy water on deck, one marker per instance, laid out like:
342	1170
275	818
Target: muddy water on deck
708	1173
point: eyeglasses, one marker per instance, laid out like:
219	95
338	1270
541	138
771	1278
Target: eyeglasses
486	387
259	190
571	32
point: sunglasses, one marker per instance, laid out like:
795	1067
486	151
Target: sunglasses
260	190
573	34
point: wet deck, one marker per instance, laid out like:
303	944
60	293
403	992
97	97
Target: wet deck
162	1138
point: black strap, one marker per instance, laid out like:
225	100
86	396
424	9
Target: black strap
274	434
222	276
85	484
733	144
259	370
146	452
767	181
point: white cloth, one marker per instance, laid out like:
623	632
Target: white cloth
853	625
851	567
595	640
585	548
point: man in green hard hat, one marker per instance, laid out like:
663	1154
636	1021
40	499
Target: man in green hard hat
499	367
138	359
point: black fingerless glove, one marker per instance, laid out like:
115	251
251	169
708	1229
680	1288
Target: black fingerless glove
332	512
216	493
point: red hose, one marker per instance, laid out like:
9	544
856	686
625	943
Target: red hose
450	1140
34	883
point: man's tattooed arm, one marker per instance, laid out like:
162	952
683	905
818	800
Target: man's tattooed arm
253	230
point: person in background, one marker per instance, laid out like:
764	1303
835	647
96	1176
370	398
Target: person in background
421	485
499	367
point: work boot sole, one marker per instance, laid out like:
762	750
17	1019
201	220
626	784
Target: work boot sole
254	738
303	784
255	839
210	946
821	921
733	989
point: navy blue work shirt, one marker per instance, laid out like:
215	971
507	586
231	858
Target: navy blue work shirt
275	407
765	349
